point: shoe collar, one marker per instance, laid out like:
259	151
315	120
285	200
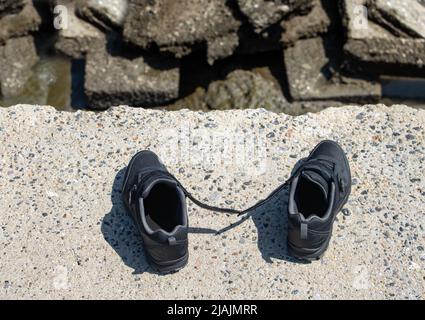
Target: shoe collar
146	180
149	183
161	233
292	207
325	166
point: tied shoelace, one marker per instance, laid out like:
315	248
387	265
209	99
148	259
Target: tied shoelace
319	165
248	212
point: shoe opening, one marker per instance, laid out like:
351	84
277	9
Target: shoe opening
310	199
163	207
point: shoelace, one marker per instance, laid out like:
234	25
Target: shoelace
320	164
146	176
323	163
247	212
326	165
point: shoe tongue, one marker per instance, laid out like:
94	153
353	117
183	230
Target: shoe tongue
318	180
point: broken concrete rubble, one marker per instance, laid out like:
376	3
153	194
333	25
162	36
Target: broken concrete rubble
17	57
373	48
77	39
403	17
323	18
390	43
180	26
245	90
10	7
142	80
312	68
264	13
19	23
222	47
103	13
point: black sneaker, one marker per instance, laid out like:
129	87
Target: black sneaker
319	189
158	207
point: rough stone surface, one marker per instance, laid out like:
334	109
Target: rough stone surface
10	6
143	80
244	89
404	56
407	16
312	65
264	13
17	57
65	232
20	23
177	26
104	13
80	36
373	47
221	47
274	102
321	19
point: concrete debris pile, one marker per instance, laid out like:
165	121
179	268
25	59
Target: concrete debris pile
329	50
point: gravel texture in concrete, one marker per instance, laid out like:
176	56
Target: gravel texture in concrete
64	232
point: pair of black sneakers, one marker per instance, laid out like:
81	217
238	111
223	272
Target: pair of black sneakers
319	187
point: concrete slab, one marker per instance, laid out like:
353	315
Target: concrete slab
64	232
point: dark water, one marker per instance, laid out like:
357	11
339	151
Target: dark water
50	84
404	88
78	98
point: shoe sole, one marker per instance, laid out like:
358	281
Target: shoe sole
162	267
309	254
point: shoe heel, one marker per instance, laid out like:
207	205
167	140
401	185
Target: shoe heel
307	253
169	266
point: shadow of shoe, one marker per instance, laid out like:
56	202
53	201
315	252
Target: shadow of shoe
120	231
271	221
